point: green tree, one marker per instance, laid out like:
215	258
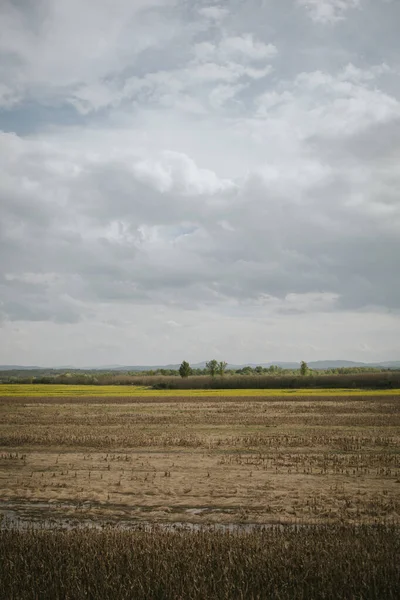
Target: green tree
221	367
303	368
247	370
185	369
212	367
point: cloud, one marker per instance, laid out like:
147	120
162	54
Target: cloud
214	13
42	61
179	174
209	71
221	94
328	11
47	48
224	176
331	104
236	48
245	46
164	230
8	96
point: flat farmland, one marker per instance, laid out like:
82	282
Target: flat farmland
204	458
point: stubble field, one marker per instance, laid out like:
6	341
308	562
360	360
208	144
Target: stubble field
132	493
225	459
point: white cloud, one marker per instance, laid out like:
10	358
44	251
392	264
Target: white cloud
318	103
328	11
221	94
49	45
186	88
214	13
215	71
245	46
43	61
238	48
309	302
176	172
353	73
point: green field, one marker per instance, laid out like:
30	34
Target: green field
56	391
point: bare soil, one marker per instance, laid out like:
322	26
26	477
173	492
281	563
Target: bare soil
202	460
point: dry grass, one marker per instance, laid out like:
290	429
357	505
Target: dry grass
303	459
331	461
332	563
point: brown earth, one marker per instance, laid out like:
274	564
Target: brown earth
229	459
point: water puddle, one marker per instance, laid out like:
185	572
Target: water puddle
23	517
12	521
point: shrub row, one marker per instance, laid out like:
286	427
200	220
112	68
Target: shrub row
377	381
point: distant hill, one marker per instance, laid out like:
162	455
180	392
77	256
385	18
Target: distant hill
317	365
18	368
394	364
336	364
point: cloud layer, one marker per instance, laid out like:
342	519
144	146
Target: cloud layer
177	180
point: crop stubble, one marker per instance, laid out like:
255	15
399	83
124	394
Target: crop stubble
303	459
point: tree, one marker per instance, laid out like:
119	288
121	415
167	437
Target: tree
221	367
247	370
185	369
212	367
303	368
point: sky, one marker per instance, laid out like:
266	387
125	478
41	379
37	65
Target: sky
184	179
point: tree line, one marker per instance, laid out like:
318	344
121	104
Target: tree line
213	368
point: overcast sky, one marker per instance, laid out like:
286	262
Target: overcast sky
181	179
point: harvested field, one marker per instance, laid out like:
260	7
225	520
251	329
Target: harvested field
272	459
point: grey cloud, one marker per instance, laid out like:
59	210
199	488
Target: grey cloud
38	301
129	247
375	145
207	180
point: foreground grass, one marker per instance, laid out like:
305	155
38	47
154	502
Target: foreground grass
330	562
56	391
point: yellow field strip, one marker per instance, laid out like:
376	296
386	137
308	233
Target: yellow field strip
49	390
